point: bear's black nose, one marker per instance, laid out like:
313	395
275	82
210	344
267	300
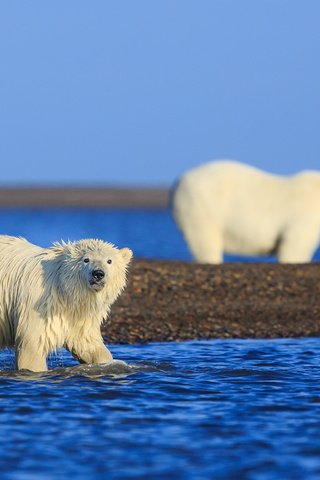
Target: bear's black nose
98	274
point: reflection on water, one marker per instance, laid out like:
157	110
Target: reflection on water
243	409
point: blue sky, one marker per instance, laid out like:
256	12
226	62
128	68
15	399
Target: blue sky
135	92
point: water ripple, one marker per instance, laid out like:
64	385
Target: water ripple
244	409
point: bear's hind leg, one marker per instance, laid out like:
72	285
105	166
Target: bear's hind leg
30	350
296	246
29	358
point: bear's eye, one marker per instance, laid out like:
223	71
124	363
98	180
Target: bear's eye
86	260
109	261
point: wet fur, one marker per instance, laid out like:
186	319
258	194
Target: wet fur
46	301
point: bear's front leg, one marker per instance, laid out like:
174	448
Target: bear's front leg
89	351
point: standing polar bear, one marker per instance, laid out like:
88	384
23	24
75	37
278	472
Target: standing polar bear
57	297
226	206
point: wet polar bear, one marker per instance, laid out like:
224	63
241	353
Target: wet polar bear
226	206
58	296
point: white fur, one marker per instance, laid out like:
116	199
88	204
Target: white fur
47	301
228	206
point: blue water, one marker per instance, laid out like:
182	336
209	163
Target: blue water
220	409
150	233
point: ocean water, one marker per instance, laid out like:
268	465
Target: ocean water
149	233
220	409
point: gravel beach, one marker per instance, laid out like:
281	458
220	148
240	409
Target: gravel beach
175	301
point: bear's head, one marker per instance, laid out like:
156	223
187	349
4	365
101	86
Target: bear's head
92	266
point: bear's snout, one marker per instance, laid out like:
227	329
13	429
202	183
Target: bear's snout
98	274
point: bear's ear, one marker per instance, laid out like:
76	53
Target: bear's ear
126	254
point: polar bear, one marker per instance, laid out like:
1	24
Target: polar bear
226	206
57	297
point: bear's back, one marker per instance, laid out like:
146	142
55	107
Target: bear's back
227	174
18	259
9	244
224	188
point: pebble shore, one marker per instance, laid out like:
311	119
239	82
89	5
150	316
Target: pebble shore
176	301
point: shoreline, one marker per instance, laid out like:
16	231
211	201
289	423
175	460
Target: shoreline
83	197
176	301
